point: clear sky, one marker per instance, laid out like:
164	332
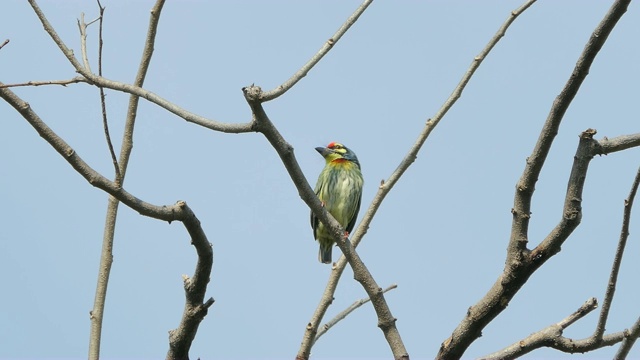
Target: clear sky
441	234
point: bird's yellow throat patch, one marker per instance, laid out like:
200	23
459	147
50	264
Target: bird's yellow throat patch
342	162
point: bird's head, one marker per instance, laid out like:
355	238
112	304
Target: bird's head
337	153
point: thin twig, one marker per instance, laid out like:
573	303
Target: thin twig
82	26
74	80
617	259
328	45
344	313
103	105
521	262
4	43
552	337
540	338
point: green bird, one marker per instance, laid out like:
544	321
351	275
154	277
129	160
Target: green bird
339	188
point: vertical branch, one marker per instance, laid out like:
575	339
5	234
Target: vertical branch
106	257
105	123
82	26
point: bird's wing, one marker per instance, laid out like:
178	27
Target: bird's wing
354	217
314	219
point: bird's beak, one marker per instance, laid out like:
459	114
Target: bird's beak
324	151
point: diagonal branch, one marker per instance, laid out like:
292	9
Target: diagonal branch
551	337
74	80
344	313
166	213
270	95
522	263
386	321
386	186
544	336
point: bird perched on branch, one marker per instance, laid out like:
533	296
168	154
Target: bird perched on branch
339	188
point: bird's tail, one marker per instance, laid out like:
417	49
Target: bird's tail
324	255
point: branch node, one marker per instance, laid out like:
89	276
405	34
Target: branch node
252	93
588	134
384	325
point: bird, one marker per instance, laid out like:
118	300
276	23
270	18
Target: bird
339	189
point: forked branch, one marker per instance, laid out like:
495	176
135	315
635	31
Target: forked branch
552	336
521	263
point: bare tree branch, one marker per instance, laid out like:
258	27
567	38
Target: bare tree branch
74	80
619	143
135	90
521	262
628	341
106	257
544	336
166	213
386	321
552	335
4	43
344	313
82	27
328	45
617	260
195	288
327	296
103	105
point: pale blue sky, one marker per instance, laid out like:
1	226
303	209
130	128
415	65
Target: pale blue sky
441	234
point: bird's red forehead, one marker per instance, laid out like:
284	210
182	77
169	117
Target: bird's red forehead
331	144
